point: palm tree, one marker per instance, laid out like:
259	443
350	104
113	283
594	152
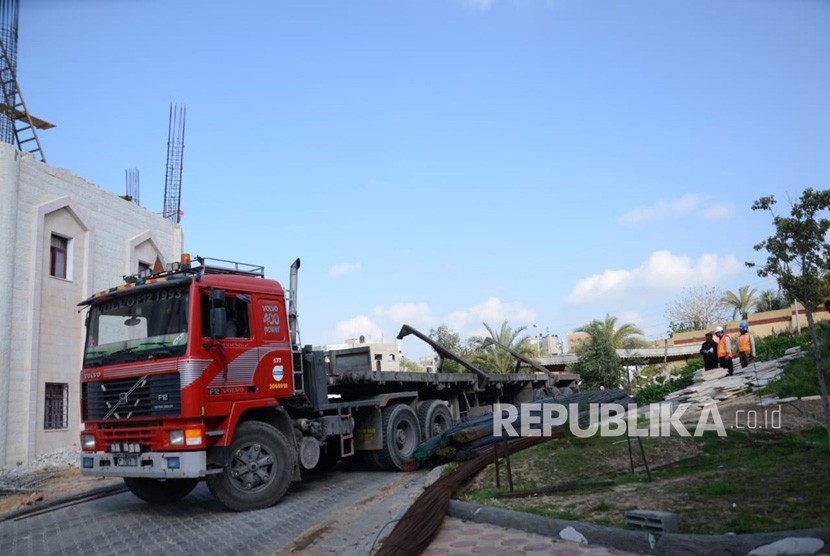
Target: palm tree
741	302
622	337
598	362
496	360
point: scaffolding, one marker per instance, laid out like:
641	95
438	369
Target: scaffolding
175	155
17	126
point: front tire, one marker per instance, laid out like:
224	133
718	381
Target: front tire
160	491
259	470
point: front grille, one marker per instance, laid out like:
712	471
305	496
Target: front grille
132	398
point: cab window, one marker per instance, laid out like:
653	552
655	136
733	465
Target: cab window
237	308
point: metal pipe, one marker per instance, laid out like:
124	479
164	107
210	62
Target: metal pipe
292	304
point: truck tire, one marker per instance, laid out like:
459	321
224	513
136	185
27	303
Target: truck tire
434	417
160	491
401	435
259	471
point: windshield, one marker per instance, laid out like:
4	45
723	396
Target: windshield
149	324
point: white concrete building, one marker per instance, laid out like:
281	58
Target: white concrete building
61	239
385	357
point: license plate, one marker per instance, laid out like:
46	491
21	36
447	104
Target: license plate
126	462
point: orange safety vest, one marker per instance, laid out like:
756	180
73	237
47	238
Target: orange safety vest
744	344
723	351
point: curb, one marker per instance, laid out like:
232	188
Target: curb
637	541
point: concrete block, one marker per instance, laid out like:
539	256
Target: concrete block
650	520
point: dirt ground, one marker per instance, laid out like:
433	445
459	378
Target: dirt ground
19	491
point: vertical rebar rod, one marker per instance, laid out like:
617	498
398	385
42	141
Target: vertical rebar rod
175	158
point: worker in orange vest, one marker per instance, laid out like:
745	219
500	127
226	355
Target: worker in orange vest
746	345
724	350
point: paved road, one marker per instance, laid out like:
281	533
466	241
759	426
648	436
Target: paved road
327	510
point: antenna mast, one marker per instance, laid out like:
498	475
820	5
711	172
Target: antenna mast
175	155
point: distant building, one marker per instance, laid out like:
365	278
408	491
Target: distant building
546	346
429	363
61	240
385	357
575	339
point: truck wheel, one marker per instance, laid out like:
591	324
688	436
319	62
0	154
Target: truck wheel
160	491
401	435
434	417
259	470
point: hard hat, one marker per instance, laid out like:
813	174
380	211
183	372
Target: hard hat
718	329
743	325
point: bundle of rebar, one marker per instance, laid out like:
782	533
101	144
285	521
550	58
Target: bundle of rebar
420	523
464	440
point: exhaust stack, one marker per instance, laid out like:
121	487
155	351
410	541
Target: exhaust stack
292	305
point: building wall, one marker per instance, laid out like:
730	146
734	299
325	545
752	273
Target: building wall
107	237
385	357
761	324
575	339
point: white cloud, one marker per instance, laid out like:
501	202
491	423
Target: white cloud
406	313
493	311
662	271
664	209
360	325
717	212
344	268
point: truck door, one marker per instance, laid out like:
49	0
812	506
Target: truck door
270	324
239	346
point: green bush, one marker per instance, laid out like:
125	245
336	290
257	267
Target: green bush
799	378
773	347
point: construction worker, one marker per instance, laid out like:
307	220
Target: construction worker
709	352
746	345
724	351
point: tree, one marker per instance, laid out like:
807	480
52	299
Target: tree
771	300
696	308
598	363
496	360
740	302
798	257
449	340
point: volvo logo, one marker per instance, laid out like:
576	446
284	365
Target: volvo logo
122	397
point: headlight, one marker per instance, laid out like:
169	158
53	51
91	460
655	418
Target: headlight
87	441
175	438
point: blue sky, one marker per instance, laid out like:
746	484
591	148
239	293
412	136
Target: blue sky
450	161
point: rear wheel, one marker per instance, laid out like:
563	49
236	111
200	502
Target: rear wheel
259	470
160	490
434	417
401	435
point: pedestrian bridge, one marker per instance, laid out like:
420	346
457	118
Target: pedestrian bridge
638	356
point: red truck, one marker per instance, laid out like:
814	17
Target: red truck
196	373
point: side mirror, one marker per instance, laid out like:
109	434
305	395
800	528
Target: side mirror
218	314
218	322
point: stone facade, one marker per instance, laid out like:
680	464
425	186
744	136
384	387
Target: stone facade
61	239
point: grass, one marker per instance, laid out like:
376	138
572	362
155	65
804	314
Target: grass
742	483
